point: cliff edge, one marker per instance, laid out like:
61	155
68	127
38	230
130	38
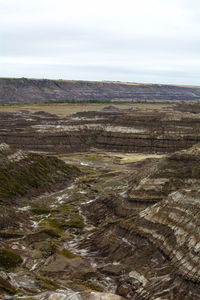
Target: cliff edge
43	90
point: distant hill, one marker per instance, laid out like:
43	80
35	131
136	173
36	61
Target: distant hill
24	90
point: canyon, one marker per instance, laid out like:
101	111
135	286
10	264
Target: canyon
100	204
112	129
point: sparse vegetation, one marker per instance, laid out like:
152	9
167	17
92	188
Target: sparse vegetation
9	260
68	254
10	234
69	108
33	173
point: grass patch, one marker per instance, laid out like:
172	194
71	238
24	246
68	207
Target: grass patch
52	233
92	286
10	234
7	290
131	158
40	211
47	283
57	224
68	254
90	157
65	109
9	260
76	221
35	172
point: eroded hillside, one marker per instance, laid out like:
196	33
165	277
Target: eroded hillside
35	90
122	227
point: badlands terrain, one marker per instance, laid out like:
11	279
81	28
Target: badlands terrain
100	201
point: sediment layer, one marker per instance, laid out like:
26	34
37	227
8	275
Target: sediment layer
43	90
110	130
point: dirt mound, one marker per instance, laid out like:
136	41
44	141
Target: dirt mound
44	114
111	109
23	173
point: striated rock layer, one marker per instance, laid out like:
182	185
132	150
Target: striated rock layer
70	295
37	90
151	242
111	130
116	232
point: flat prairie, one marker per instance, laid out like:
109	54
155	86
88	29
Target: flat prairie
65	109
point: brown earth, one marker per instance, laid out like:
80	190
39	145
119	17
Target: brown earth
149	130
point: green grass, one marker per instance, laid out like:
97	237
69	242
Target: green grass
68	254
9	260
33	173
10	234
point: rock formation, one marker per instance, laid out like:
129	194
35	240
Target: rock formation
150	243
112	130
112	231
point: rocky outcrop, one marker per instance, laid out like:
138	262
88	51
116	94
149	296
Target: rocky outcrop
155	180
66	295
43	90
172	225
150	242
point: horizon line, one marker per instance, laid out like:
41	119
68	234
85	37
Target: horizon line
105	81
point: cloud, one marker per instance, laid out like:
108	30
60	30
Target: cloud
146	40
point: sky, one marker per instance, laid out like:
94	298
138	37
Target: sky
152	41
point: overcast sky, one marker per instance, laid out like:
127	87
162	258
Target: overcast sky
154	41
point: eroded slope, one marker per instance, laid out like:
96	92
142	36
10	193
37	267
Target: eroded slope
35	90
126	229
